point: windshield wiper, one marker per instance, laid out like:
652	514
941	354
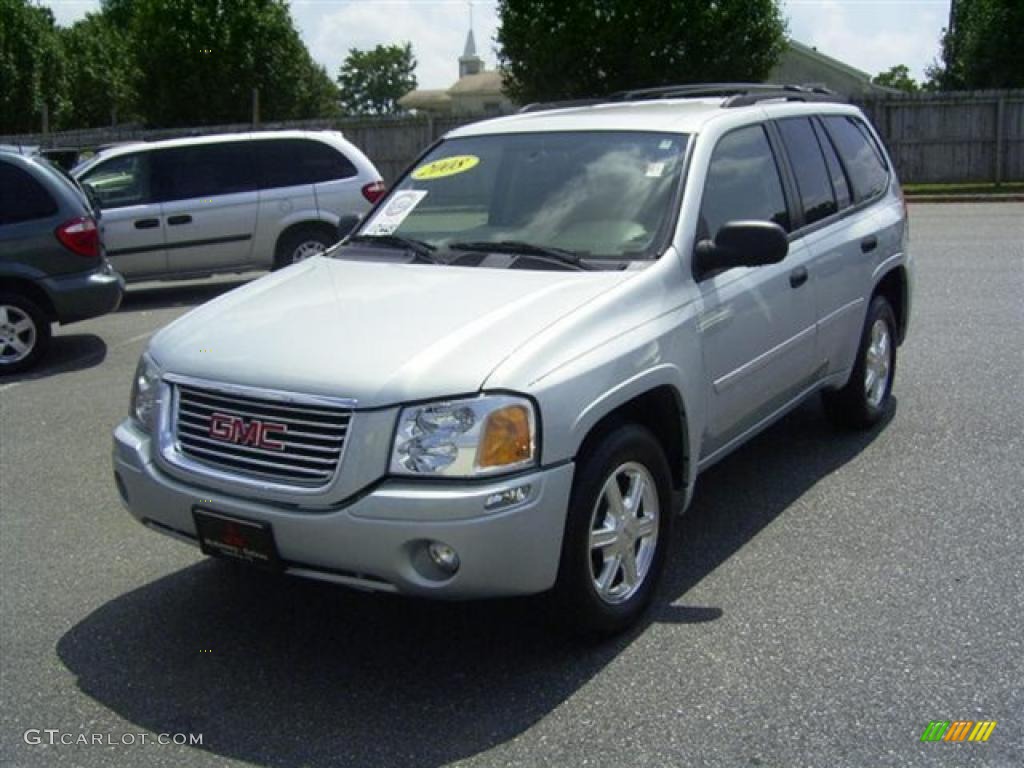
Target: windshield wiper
521	248
422	249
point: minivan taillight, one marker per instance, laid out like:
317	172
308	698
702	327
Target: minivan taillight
80	236
374	191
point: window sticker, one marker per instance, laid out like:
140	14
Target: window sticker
654	170
665	144
447	166
390	217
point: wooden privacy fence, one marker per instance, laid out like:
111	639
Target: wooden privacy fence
969	136
958	136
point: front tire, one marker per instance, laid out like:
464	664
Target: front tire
24	333
617	533
867	396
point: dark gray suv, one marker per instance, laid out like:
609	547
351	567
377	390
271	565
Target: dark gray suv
52	262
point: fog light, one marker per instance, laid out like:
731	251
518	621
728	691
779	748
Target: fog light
507	497
444	557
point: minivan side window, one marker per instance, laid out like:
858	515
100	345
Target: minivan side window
121	181
840	185
868	173
742	183
808	164
22	198
203	170
291	162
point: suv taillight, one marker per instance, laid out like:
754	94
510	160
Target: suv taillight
374	191
80	236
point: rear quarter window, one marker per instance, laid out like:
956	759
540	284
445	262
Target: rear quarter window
861	158
22	198
291	162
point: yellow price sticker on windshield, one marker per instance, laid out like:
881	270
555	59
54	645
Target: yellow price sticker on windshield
448	166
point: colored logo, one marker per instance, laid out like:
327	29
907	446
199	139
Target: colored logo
255	433
448	166
958	730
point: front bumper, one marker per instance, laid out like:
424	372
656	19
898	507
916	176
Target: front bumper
82	295
376	540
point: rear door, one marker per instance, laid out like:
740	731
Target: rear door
209	205
133	230
757	324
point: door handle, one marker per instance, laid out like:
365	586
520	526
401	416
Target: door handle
869	244
181	219
798	277
147	223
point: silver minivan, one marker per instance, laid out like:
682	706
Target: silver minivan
224	203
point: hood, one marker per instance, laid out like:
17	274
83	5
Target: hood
378	333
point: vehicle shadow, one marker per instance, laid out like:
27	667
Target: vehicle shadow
282	672
67	352
147	296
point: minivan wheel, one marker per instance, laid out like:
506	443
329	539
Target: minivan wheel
616	534
300	245
868	394
24	333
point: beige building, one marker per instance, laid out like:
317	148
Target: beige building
476	92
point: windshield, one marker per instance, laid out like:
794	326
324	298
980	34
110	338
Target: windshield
559	195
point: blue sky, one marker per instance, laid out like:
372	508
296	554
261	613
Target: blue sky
871	35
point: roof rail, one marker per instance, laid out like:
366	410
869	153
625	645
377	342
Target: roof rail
735	94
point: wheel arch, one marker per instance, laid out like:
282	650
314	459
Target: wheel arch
661	410
894	286
30	290
320	225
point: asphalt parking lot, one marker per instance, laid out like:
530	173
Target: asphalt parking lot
827	596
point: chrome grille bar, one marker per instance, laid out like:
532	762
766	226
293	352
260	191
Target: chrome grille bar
288	440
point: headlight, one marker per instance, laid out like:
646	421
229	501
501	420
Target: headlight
465	438
146	392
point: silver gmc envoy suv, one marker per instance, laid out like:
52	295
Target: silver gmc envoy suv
508	377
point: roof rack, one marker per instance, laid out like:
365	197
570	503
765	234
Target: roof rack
735	94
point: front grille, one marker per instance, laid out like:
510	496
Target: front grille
302	445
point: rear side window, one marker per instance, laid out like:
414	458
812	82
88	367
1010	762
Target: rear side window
808	163
743	183
204	170
121	181
22	198
867	171
291	162
835	169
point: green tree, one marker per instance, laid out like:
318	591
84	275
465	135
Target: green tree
199	61
372	82
897	77
102	71
32	72
557	49
981	46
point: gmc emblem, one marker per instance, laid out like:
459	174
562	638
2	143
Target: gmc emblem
256	433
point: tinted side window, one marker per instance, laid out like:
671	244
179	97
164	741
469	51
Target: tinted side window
809	168
835	169
867	171
22	198
743	183
290	162
121	181
204	170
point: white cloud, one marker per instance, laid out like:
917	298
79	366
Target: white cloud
871	35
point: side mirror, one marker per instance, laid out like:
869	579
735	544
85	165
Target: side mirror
742	244
347	223
93	197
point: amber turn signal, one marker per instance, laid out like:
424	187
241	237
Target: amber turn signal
507	438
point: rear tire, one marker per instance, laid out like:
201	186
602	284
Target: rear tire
616	534
300	244
867	396
24	333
